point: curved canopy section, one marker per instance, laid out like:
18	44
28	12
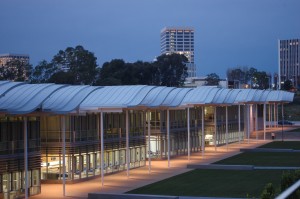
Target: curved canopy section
115	97
156	96
22	98
175	97
6	86
67	99
280	96
200	95
232	95
26	98
245	96
220	96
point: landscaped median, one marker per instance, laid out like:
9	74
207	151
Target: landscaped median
241	176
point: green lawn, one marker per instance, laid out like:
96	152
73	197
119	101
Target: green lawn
264	159
214	183
229	183
283	145
294	130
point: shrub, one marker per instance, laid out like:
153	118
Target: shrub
268	192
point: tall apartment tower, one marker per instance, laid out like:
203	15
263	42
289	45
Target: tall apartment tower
179	40
289	59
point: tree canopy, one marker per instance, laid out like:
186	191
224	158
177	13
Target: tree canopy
78	66
244	75
168	70
171	69
15	70
72	66
212	79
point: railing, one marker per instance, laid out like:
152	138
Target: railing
289	190
71	136
17	146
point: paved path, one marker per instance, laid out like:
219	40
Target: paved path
119	183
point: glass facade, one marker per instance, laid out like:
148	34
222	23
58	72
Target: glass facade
83	153
178	132
215	126
12	173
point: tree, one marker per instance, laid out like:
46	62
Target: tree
237	74
287	85
244	75
171	70
62	77
15	70
212	79
80	63
260	80
111	73
43	72
117	72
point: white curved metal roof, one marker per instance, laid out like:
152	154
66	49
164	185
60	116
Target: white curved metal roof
221	96
115	97
67	99
156	96
26	98
200	95
22	98
245	96
232	95
175	97
6	86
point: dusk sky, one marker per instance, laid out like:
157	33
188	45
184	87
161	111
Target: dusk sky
228	33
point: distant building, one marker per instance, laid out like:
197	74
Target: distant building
289	59
5	58
179	40
193	82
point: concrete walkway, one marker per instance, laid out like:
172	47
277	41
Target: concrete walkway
120	183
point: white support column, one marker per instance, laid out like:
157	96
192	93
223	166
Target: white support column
282	118
239	115
264	118
215	120
274	112
63	129
226	128
127	143
277	116
149	142
202	133
25	156
168	135
269	116
248	122
256	121
102	146
189	133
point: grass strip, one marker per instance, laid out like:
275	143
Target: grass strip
275	159
214	183
283	145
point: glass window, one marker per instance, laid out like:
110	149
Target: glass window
6	182
35	178
16	178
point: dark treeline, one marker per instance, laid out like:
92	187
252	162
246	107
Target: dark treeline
78	66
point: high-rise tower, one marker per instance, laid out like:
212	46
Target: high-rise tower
289	59
179	40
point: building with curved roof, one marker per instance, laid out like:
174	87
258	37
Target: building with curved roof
66	133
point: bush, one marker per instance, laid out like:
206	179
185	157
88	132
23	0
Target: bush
268	192
288	179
